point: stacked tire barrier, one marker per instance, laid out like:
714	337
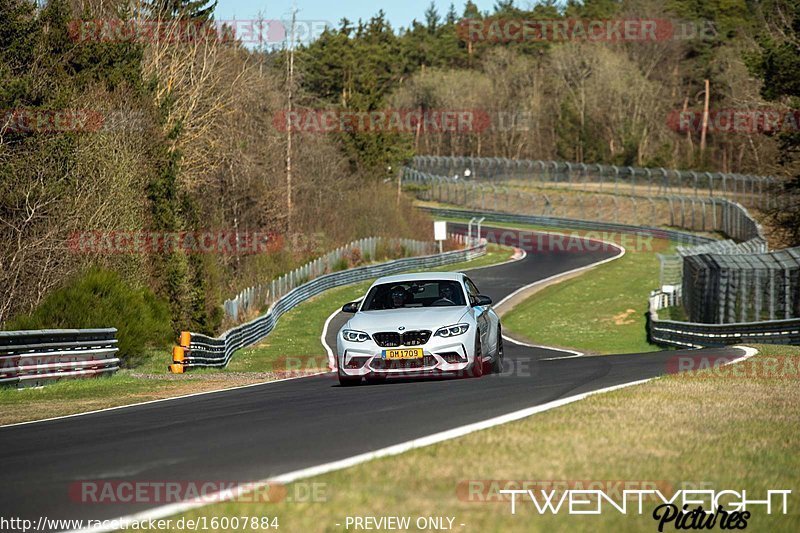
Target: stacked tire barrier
36	358
197	350
724	288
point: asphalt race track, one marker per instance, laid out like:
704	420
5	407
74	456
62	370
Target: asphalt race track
254	433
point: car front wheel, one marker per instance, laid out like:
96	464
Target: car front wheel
497	364
478	364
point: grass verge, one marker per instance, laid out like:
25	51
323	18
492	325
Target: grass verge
707	430
297	333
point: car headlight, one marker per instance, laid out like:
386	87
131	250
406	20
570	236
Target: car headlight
451	331
354	336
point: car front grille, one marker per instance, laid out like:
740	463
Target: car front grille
394	364
391	339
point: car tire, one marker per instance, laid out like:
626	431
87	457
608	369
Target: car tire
478	364
497	364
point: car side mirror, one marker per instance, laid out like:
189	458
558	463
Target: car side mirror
481	299
351	307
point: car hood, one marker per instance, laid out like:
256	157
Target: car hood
411	318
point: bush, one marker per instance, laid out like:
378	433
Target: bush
340	264
102	299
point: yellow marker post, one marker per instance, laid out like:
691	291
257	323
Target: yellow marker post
178	353
186	339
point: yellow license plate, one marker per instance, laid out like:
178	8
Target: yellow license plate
406	353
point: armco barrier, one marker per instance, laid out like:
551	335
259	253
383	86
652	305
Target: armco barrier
197	350
258	296
34	358
695	335
683	237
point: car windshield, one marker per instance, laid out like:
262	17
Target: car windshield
421	293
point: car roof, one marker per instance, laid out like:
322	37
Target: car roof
399	278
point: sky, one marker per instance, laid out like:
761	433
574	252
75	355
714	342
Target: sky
399	13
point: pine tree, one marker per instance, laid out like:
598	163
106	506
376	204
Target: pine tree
432	18
452	16
779	67
183	9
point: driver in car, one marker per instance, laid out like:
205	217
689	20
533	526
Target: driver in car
399	297
446	295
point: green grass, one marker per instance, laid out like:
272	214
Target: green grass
297	332
601	311
698	430
677	313
149	381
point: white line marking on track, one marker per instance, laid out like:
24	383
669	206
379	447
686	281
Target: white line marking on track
230	494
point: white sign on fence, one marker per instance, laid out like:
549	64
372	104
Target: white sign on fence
440	230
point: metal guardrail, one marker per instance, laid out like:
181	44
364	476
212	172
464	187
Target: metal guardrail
197	350
555	222
696	335
34	358
258	296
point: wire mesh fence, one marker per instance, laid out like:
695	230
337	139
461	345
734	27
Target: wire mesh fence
703	214
749	190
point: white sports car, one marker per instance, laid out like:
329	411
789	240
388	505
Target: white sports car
425	323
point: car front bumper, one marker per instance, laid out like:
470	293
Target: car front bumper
440	355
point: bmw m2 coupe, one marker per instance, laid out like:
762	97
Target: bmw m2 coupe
415	324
